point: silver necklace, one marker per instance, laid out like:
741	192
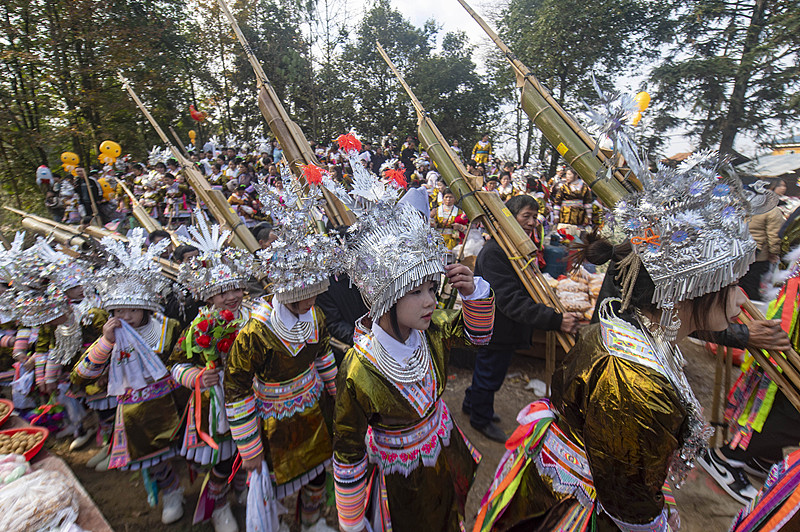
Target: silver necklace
150	333
68	339
296	335
415	368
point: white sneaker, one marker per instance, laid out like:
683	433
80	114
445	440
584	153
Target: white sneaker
223	519
319	526
99	457
103	464
172	502
80	440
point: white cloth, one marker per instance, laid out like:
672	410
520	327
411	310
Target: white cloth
132	371
263	508
288	317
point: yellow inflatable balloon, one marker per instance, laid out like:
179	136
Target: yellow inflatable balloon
109	151
192	135
636	118
70	162
643	99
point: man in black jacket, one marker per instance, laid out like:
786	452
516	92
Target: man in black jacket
517	315
342	305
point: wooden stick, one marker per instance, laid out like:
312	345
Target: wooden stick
716	415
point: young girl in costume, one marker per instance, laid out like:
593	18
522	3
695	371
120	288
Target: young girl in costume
281	373
400	462
217	276
136	341
622	417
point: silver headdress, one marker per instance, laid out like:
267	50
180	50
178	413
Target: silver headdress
61	269
218	268
135	281
32	299
300	262
392	248
688	226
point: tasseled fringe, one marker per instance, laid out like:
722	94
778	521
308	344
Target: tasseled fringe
429	270
232	284
305	292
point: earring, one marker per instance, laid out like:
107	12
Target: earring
670	323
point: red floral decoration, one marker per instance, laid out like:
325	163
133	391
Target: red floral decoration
349	143
312	173
226	315
397	177
203	340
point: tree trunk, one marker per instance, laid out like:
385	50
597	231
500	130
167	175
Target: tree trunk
736	108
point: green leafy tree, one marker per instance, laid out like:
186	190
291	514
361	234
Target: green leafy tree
733	67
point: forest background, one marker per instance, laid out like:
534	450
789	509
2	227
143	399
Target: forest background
715	69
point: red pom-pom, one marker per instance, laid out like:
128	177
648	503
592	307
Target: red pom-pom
312	173
349	143
204	340
396	177
226	315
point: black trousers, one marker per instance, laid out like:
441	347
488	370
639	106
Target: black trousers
491	366
751	281
781	429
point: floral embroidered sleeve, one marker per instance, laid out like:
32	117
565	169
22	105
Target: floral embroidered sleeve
349	449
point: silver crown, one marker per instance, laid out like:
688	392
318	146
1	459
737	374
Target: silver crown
391	248
217	268
300	262
134	278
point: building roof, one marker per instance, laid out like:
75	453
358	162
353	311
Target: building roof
773	165
787	141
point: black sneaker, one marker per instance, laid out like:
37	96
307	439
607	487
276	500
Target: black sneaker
731	479
757	467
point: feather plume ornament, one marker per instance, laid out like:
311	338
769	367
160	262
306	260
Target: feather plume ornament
132	278
300	262
217	268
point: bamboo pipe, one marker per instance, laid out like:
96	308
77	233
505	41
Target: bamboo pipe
789	370
498	220
216	202
59	235
295	146
561	129
149	223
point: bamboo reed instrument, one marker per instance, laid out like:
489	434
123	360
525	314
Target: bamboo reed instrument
214	200
149	223
295	146
485	207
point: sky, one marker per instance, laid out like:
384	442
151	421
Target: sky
452	17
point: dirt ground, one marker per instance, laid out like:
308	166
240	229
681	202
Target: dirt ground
703	506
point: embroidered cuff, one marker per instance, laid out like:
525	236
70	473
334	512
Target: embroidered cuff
659	524
244	427
8	339
479	319
22	342
185	374
351	495
326	367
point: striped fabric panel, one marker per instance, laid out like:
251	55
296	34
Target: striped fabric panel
349	473
40	363
244	427
479	320
22	342
351	499
8	339
91	366
52	371
186	374
326	367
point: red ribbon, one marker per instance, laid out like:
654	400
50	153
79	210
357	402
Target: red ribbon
198	413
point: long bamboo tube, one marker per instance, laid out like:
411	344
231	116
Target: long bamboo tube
498	220
69	235
214	200
295	146
561	129
149	223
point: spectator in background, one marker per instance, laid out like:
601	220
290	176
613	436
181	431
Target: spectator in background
765	229
482	151
408	156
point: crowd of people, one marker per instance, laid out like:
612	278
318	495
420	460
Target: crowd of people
326	353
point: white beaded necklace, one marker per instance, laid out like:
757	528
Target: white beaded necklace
415	368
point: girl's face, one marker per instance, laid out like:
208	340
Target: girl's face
230	300
301	307
414	310
780	189
132	316
505	180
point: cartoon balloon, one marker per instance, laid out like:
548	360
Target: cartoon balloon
636	118
643	100
192	135
109	151
70	162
